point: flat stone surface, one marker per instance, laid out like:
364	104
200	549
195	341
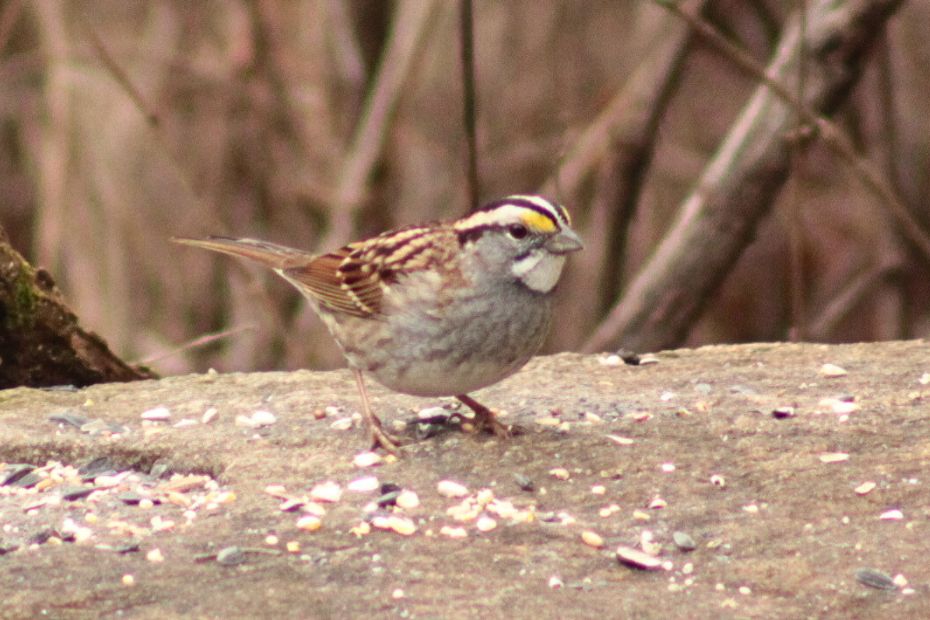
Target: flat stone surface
779	533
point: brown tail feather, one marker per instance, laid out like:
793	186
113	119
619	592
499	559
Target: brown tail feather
268	254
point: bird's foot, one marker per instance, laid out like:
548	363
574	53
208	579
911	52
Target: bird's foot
380	438
485	419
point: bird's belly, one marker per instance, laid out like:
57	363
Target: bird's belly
427	357
423	378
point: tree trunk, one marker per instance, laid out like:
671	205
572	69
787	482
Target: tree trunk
718	220
41	343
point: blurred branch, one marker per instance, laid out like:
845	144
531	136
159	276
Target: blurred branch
796	240
148	112
8	18
832	135
196	343
614	151
466	40
848	299
736	190
52	153
347	54
411	18
629	119
888	106
117	72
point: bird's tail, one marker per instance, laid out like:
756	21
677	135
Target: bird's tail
268	254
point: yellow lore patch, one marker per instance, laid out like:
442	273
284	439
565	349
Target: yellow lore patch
537	222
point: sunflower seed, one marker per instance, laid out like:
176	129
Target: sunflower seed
367	459
638	559
485	524
592	539
783	413
874	578
230	556
328	491
524	482
684	541
74	493
309	523
69	418
831	371
158	414
449	488
14	473
366	484
407	500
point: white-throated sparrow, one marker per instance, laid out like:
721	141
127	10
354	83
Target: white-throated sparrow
439	309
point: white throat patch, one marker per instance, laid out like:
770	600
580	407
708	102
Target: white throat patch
540	270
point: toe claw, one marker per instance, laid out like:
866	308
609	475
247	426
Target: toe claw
486	420
381	439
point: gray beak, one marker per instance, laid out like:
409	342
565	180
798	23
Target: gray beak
564	242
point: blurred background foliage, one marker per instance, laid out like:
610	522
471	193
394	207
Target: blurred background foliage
315	122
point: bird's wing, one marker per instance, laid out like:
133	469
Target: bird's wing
345	281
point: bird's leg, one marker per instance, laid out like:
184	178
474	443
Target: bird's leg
484	417
379	437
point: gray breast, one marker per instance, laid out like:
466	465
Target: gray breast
438	347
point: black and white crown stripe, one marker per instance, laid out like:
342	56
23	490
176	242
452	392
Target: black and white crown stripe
542	205
510	210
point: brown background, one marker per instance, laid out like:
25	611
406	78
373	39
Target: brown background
259	107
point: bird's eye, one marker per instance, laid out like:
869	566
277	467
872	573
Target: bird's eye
517	231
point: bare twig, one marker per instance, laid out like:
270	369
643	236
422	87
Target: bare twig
888	118
624	118
52	168
411	18
889	306
196	343
853	293
718	219
797	329
148	112
120	75
347	56
616	149
8	18
467	30
832	135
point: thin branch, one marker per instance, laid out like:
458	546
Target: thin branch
627	115
718	219
347	58
118	73
466	40
52	155
611	156
411	18
832	135
148	112
797	330
196	343
8	18
859	288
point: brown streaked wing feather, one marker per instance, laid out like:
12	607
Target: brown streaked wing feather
350	280
348	291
